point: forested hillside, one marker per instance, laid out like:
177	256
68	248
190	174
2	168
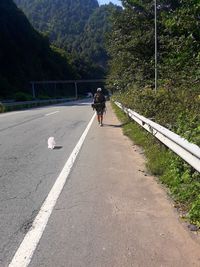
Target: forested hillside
25	54
77	26
63	20
176	103
93	38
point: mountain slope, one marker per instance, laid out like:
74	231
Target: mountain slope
78	26
92	40
63	20
24	53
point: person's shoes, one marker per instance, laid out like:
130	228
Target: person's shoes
101	124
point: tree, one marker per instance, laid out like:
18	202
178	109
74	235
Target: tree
181	40
131	44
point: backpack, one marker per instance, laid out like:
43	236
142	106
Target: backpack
99	102
99	98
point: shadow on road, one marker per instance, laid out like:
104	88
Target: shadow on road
115	125
58	147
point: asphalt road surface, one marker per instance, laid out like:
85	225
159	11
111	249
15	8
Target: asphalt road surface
110	213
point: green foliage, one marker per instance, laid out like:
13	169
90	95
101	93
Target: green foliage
181	39
194	213
21	96
2	108
62	19
178	110
131	45
77	26
184	184
92	40
25	54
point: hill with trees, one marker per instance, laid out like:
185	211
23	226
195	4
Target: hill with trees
79	27
63	20
25	54
93	39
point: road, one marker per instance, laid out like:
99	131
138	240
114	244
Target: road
109	213
27	168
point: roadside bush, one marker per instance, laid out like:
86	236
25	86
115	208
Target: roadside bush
2	108
21	96
178	110
194	213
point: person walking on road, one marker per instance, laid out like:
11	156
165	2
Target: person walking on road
99	105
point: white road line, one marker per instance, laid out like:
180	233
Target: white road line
26	250
52	113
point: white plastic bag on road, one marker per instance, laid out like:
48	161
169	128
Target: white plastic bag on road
51	142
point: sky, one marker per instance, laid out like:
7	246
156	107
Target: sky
116	2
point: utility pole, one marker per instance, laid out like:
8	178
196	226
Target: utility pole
156	48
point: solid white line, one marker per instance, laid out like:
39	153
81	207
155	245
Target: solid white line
52	113
25	251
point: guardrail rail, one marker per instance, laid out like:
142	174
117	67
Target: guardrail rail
186	150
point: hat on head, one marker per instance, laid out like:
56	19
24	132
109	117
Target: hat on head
98	89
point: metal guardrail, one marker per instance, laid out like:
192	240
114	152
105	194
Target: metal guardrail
186	150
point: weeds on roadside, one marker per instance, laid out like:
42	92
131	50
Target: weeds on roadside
2	108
